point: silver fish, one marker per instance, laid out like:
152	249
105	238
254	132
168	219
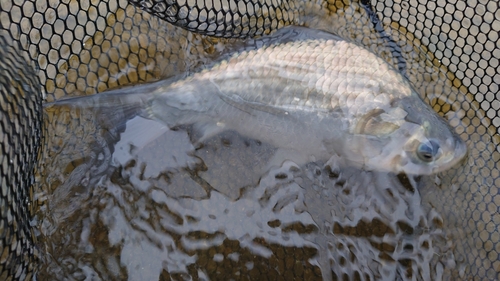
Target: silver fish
312	95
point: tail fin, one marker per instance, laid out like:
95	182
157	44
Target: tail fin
115	105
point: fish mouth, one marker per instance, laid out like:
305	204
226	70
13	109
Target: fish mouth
453	158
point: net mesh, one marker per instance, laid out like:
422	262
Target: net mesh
20	132
226	18
89	46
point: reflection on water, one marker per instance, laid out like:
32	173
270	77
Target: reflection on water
142	203
92	172
130	199
115	212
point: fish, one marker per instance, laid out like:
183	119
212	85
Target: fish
310	94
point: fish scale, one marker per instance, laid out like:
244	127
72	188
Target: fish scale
314	98
318	97
329	68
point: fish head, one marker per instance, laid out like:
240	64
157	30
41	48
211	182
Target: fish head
430	147
408	138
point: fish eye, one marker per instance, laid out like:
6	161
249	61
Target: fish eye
427	151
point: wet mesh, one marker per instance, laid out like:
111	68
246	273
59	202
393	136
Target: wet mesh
20	132
90	46
226	18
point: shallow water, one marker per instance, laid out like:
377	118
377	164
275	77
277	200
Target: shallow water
120	206
145	208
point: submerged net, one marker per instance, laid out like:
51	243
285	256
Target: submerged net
20	133
448	49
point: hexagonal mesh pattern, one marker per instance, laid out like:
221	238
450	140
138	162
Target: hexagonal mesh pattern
226	18
20	132
463	37
89	46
